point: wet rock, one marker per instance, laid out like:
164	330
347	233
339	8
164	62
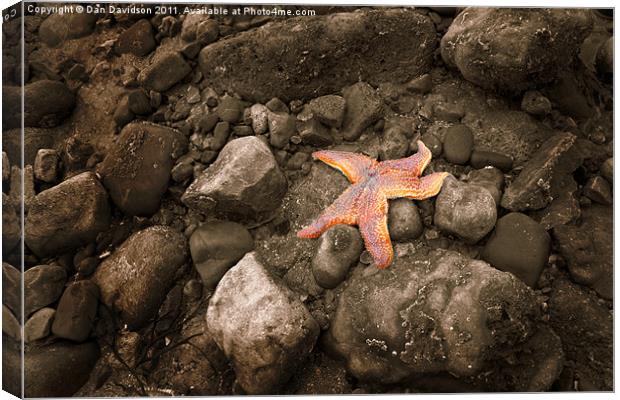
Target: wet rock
67	215
489	178
311	130
244	182
58	28
458	144
394	144
518	245
432	311
530	190
46	104
338	249
137	167
76	312
257	116
46	165
264	348
229	109
39	325
329	110
535	103
11	288
607	170
360	49
465	210
588	249
482	158
137	39
281	128
404	221
597	189
216	246
10	324
11	227
134	280
43	285
364	107
529	47
165	70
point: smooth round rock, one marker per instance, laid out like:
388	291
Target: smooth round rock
76	312
39	325
458	144
10	324
483	158
339	248
404	221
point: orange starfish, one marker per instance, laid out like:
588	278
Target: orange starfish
365	203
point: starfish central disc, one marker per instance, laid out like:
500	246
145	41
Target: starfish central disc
365	202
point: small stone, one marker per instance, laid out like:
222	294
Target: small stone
482	158
193	95
257	117
422	84
458	144
191	50
208	122
535	103
138	102
433	143
165	70
490	178
297	160
182	171
46	165
242	130
11	288
465	210
394	144
281	128
404	221
77	308
329	110
43	285
311	131
208	156
229	109
87	266
518	245
597	189
276	105
39	325
10	324
364	107
122	114
220	135
338	249
138	39
607	170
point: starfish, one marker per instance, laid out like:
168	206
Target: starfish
365	203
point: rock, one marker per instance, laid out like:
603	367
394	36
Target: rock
530	190
229	109
482	158
208	122
433	143
46	165
244	182
264	348
605	57
364	107
422	84
568	96
6	167
518	245
297	160
339	248
68	215
432	311
11	227
165	70
217	246
136	169
489	178
87	266
242	130
39	325
329	110
465	210
394	144
200	28
514	49
11	288
575	314
281	128
276	105
404	221
182	171
135	279
137	39
10	324
138	102
535	103
257	116
564	207
57	28
311	131
122	114
43	285
458	144
360	49
220	135
598	190
589	256
76	312
607	170
46	104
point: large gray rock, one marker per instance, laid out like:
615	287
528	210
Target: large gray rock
66	216
137	168
135	279
261	325
43	285
514	49
244	182
306	57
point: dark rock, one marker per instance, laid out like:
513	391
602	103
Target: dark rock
137	39
220	135
46	104
281	128
489	178
535	103
43	285
138	102
122	114
329	110
76	312
482	158
605	57
46	165
394	144
518	245
297	160
311	131
182	171
200	28
137	168
364	107
607	170
568	96
229	109
529	47
87	266
433	143
458	144
244	182
191	50
58	28
78	73
39	325
208	122
588	249
404	221
10	324
276	105
598	190
66	216
530	190
164	71
564	207
242	130
465	210
262	363
134	280
11	288
338	249
360	49
422	84
11	227
216	246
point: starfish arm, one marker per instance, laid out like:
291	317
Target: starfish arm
396	186
413	165
373	228
352	165
342	211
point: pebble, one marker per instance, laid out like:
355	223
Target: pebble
208	122
458	144
597	189
256	116
490	178
404	221
607	170
46	165
220	135
535	103
364	108
87	266
242	130
311	130
122	114
394	144
329	110
518	245
229	109
182	171
281	129
191	50
448	112
192	289
43	285
39	325
138	39
76	312
166	70
433	143
276	105
338	249
138	102
422	84
483	158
